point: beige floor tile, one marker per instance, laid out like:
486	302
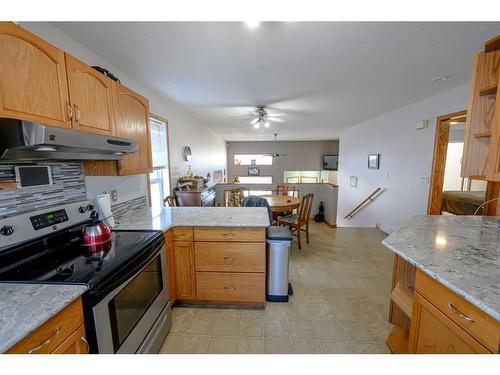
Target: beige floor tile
251	327
302	329
276	329
247	345
306	347
277	346
225	326
222	345
369	348
252	313
379	330
332	347
201	325
297	310
194	345
328	330
207	311
181	311
234	313
171	344
180	323
355	331
275	311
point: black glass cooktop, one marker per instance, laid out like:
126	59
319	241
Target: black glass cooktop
62	259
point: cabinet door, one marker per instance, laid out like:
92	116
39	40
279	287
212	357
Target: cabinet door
33	84
433	333
185	278
91	94
171	271
132	122
74	344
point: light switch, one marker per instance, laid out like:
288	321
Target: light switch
354	181
425	179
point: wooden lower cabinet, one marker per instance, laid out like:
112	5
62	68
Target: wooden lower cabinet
75	344
217	265
62	333
432	332
185	279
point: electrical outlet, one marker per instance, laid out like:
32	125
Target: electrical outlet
114	195
425	179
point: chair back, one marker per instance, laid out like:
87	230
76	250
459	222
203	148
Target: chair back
234	197
305	208
287	189
255	201
170	201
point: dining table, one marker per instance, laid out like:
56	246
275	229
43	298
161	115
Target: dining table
281	203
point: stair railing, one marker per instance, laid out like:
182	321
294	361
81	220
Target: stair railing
363	204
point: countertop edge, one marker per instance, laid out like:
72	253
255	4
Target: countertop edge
487	310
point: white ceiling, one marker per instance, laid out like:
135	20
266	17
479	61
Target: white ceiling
326	75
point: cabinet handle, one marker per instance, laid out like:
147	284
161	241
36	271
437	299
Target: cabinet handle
36	348
84	339
457	312
229	258
228	288
70	111
77	113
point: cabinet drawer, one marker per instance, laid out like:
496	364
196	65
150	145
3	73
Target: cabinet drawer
52	333
75	344
182	233
478	324
230	257
230	234
230	287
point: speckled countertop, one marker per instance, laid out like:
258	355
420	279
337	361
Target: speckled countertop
168	217
460	252
24	307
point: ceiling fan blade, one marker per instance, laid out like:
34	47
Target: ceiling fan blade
254	121
276	114
275	119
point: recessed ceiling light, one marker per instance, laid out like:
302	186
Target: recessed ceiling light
252	24
441	78
256	125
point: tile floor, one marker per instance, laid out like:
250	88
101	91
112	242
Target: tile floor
341	283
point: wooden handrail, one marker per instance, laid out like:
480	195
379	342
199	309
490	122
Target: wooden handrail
359	206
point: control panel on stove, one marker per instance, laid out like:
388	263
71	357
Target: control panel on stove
48	219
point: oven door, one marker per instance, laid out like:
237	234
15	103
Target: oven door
124	317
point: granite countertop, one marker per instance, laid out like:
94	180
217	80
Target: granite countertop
460	252
168	217
25	307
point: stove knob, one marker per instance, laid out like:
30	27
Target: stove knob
82	209
6	230
90	207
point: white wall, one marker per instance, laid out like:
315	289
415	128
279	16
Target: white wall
405	156
302	156
209	151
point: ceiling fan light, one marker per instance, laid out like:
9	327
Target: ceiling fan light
252	24
267	124
256	125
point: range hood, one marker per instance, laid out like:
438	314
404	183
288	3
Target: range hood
26	141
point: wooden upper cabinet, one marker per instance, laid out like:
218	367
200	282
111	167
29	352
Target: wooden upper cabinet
91	96
33	84
132	122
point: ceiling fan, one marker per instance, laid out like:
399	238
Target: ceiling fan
275	154
262	118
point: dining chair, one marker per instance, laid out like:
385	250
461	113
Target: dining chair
170	201
234	197
287	189
300	221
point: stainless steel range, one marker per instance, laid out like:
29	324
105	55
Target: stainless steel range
126	305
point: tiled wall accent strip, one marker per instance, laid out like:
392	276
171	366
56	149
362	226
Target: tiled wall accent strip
129	206
68	186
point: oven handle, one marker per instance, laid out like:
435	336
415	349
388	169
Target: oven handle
98	293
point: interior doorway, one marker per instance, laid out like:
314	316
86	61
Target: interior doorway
449	192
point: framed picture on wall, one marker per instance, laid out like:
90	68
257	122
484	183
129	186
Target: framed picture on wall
374	161
253	171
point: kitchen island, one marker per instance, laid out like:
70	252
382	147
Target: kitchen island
446	285
216	255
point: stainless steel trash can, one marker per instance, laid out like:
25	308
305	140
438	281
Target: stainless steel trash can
278	241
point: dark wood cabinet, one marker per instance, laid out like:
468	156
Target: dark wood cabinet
204	197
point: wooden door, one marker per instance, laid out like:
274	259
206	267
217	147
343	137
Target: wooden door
91	95
433	333
132	122
185	278
74	344
33	84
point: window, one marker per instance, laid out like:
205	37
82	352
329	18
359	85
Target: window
252	159
256	179
159	179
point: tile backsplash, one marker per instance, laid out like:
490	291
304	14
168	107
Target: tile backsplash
68	185
129	206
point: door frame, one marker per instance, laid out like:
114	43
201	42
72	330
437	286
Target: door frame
439	160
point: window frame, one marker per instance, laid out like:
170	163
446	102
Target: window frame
167	130
256	164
